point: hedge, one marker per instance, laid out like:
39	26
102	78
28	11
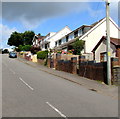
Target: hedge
42	54
24	48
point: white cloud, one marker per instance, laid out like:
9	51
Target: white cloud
114	10
5	33
32	14
93	13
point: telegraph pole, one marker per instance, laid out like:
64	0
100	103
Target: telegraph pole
108	44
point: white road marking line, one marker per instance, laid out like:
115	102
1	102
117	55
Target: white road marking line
12	71
26	83
61	114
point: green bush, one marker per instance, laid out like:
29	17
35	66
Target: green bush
78	46
42	54
26	47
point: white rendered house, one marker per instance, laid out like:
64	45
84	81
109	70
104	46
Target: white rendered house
44	44
91	35
50	42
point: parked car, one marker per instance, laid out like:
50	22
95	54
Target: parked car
13	55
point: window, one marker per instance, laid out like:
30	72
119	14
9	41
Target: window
45	46
76	34
48	45
56	43
60	42
103	56
66	38
80	32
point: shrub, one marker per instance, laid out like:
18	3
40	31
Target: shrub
42	54
26	47
78	46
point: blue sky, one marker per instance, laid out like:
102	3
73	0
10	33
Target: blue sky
50	16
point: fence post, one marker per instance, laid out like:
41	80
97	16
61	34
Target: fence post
48	62
74	65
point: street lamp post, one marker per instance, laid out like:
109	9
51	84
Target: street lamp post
108	44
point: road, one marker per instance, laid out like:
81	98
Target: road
29	92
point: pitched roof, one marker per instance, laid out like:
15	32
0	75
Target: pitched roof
114	41
73	40
97	22
59	31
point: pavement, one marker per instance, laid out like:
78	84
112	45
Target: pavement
92	85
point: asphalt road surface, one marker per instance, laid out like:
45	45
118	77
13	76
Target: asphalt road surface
29	92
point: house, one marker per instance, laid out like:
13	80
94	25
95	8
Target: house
91	34
36	40
50	41
99	51
44	43
66	41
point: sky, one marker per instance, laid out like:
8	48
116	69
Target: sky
45	17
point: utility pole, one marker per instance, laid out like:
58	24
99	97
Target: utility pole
108	44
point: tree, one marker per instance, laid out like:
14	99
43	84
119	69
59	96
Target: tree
28	37
15	39
20	48
78	46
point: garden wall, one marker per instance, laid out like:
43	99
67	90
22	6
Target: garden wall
41	61
69	66
94	71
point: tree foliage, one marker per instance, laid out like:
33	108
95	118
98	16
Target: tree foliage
78	46
24	48
17	39
28	37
